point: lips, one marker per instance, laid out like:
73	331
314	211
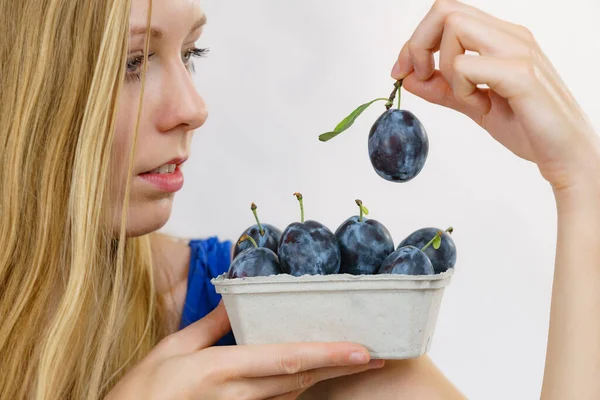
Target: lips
169	182
164	169
167	168
166	177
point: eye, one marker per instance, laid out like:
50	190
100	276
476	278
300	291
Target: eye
133	64
133	70
193	53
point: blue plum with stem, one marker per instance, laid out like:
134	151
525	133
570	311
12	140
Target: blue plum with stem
398	144
255	261
364	243
444	257
308	248
264	235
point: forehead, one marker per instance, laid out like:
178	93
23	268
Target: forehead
167	15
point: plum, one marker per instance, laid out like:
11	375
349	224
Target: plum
407	260
364	243
265	235
308	248
443	257
255	261
398	144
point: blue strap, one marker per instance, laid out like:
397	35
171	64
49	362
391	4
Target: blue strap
209	258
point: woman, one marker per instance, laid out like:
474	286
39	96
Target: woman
92	303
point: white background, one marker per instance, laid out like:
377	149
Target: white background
281	72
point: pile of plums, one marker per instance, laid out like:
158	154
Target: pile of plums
359	246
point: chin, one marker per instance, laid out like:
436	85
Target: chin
147	217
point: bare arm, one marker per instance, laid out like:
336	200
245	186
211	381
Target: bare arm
400	379
573	353
529	110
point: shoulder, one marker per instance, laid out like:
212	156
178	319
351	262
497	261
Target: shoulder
173	257
183	269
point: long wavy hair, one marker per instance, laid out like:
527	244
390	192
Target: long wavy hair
77	305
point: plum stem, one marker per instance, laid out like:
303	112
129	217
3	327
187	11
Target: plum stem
299	197
390	102
399	92
248	237
438	234
450	230
359	204
260	228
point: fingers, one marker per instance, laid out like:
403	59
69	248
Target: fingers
283	359
453	47
289	385
199	335
464	31
510	78
288	396
291	359
474	29
466	90
438	91
521	80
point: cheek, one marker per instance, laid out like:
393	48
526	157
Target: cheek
123	136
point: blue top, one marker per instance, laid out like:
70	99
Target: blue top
209	258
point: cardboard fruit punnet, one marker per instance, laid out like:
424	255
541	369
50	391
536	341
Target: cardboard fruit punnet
393	316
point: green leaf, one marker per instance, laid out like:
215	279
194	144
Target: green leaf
347	122
329	135
437	242
364	210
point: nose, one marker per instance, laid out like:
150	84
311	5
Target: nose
182	107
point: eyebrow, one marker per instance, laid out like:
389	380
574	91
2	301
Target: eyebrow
157	33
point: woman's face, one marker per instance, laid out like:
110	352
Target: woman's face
171	111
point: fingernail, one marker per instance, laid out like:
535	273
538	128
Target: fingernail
376	363
359	357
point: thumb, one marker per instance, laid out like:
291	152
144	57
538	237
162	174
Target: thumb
204	332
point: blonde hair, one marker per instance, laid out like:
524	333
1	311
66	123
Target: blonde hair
78	307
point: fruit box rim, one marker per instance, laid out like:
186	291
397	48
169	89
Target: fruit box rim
334	282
